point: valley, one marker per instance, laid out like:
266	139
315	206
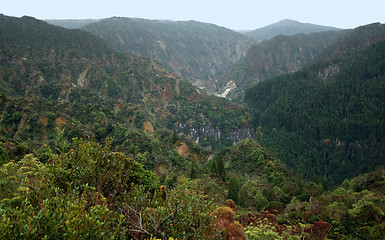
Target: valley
198	52
128	128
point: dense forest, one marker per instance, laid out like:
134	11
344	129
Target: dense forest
327	120
282	54
100	144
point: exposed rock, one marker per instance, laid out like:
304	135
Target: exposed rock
182	149
235	135
148	127
230	86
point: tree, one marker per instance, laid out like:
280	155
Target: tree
325	185
221	169
62	144
194	169
224	218
247	193
213	168
318	230
233	189
312	189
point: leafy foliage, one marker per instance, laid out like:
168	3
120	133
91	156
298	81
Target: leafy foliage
92	192
180	212
90	164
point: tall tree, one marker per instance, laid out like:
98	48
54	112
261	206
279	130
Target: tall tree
233	189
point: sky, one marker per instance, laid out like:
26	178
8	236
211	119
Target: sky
235	14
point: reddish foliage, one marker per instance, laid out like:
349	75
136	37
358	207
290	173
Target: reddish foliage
225	220
235	232
266	217
224	217
318	230
327	141
231	204
266	214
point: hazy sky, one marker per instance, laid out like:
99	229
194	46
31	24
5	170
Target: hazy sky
236	14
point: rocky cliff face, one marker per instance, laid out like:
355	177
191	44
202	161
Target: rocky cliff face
200	134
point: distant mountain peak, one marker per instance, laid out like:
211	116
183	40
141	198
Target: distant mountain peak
287	27
286	21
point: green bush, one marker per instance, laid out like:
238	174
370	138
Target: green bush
92	164
63	216
180	213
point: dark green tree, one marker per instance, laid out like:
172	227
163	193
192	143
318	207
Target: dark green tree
194	169
221	169
213	168
233	190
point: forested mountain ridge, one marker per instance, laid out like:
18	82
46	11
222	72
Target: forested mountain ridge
327	119
285	54
78	70
282	54
198	52
287	27
354	41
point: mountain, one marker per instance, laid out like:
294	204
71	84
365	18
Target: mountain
282	54
198	52
287	27
328	119
354	41
55	77
71	23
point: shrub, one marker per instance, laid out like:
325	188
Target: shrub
180	213
92	164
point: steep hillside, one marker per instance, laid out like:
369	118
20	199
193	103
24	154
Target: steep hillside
282	54
198	52
328	119
287	27
261	179
81	71
354	41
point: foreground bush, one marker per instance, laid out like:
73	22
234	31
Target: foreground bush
91	192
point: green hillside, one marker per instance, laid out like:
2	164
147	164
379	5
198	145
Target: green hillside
282	54
198	52
75	68
326	120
